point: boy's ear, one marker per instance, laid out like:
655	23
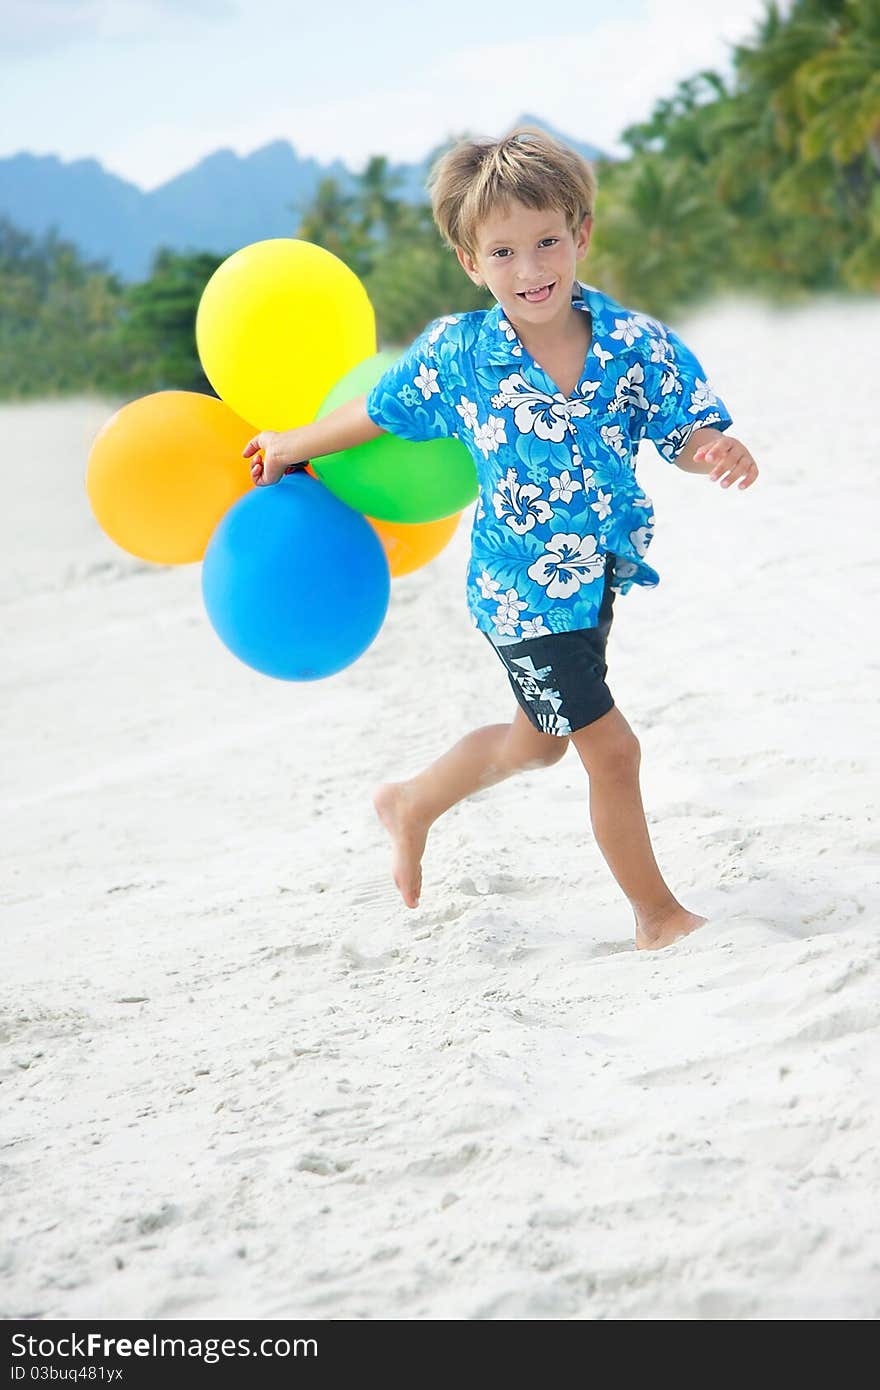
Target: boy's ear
468	265
583	237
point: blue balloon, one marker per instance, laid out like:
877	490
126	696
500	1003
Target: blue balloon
295	582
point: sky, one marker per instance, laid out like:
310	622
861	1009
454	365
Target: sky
148	87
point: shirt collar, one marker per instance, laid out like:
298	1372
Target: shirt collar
498	345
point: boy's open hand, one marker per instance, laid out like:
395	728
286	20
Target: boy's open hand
270	458
731	460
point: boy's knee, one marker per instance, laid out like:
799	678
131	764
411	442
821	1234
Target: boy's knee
531	755
612	751
556	749
552	752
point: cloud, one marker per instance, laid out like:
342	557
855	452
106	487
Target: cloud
593	85
589	85
186	77
34	27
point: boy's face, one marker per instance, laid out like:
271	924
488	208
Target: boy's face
521	250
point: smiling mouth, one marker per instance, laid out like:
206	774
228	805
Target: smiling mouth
537	296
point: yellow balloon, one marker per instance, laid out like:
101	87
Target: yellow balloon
408	545
162	472
278	324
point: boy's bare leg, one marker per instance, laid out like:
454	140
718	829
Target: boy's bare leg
480	759
609	750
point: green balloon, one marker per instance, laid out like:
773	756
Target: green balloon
393	479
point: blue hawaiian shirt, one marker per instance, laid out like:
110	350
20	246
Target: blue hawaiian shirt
557	480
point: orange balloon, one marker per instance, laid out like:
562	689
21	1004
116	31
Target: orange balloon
162	472
409	545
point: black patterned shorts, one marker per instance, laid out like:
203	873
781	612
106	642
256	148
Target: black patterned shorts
559	680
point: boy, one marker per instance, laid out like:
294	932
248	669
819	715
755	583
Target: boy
551	391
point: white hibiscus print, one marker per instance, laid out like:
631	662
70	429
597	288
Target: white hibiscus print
627	330
568	561
603	356
661	350
578	461
426	381
534	410
520	505
650	325
440	327
602	505
510	605
614	438
628	391
669	381
468	412
676	439
701	396
487	437
563	488
534	627
510	335
588	390
641	539
488	586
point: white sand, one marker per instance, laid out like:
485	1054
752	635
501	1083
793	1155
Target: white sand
241	1079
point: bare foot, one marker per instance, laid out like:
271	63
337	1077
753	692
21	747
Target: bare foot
653	933
408	836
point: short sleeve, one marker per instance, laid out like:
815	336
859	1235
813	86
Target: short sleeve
680	398
408	399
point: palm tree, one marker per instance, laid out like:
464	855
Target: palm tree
417	280
677	126
794	153
840	92
378	210
661	235
330	220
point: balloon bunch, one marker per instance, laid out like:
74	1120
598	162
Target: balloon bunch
296	577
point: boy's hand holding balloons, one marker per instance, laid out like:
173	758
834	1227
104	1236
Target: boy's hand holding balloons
272	454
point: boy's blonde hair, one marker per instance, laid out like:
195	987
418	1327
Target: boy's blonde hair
477	176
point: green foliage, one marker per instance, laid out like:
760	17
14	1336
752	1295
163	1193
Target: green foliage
331	221
414	282
769	182
155	344
790	155
68	325
663	237
57	315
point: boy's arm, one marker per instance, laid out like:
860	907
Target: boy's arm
698	439
344	428
719	455
274	450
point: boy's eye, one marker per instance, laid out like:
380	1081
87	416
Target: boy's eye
504	251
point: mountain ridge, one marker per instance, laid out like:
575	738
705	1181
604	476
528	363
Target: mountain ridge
223	201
